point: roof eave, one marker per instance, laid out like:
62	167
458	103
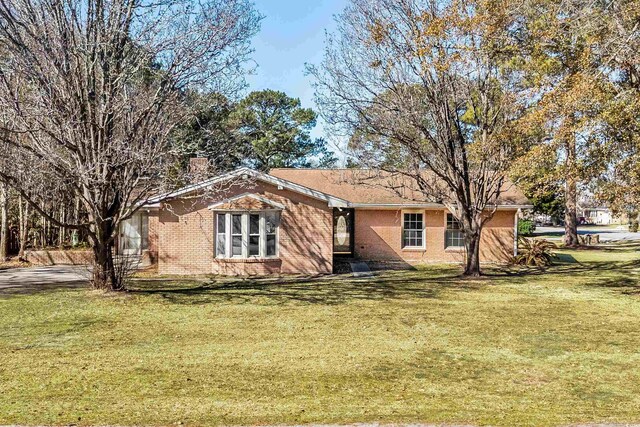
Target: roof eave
423	206
245	173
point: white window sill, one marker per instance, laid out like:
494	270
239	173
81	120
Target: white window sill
246	260
413	249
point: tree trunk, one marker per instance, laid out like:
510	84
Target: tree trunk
4	223
23	212
472	265
570	217
61	230
571	196
104	275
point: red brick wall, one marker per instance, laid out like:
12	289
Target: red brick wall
151	253
378	236
57	257
185	238
186	235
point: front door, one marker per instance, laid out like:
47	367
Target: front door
343	231
131	235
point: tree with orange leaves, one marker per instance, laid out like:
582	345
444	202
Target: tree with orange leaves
419	87
573	56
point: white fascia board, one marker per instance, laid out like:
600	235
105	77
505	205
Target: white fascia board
253	196
396	205
197	186
514	207
278	182
424	206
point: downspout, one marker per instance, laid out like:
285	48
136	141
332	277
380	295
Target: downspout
515	233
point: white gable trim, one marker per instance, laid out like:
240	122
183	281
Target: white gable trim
246	173
280	183
251	195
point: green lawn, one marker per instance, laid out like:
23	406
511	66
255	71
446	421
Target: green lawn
516	348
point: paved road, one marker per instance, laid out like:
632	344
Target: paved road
607	234
58	276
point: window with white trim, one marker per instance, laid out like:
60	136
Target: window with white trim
271	229
453	234
247	234
413	230
254	234
221	235
236	235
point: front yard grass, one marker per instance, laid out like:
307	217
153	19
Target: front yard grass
518	347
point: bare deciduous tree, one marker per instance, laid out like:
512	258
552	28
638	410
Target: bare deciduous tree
90	92
23	226
4	223
417	86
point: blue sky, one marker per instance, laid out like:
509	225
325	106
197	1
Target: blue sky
292	34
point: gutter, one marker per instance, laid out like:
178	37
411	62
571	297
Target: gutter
423	206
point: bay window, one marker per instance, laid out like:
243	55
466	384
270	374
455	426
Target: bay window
236	235
271	227
254	234
247	234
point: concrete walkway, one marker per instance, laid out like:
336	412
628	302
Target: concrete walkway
360	269
14	279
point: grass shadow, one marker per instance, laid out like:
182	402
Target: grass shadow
327	290
566	267
424	282
625	285
7	291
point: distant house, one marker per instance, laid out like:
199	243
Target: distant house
297	220
597	215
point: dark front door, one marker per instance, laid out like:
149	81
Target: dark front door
343	231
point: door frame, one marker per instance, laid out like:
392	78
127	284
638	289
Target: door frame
350	230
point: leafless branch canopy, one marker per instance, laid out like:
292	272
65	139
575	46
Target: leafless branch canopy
417	87
90	91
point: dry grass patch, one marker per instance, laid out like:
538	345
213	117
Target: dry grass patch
521	347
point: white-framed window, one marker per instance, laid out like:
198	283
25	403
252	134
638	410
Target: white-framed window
133	236
413	230
221	235
236	236
453	234
254	234
247	234
271	219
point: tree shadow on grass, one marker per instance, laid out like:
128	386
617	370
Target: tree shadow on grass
7	291
428	282
327	290
621	276
566	265
625	285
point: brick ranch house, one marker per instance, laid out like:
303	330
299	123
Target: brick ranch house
297	220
